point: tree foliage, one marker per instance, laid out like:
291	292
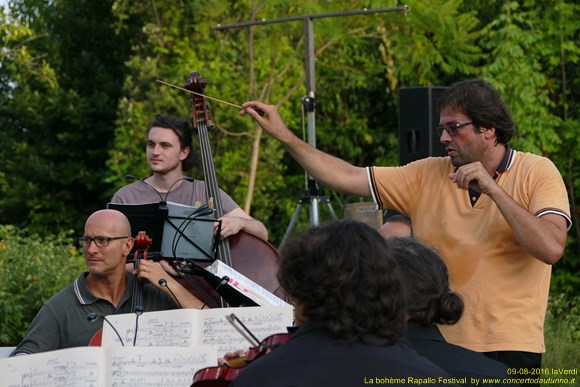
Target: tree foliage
58	112
78	82
32	269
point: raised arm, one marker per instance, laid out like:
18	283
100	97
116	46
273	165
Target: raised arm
328	170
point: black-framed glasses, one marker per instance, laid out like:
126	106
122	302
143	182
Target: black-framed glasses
451	129
100	241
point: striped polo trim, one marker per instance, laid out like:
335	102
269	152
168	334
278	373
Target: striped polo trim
78	293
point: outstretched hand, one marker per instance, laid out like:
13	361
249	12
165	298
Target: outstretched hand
270	120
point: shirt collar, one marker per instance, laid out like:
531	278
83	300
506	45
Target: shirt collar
504	166
85	296
507	161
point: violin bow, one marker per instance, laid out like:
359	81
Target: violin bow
260	112
242	329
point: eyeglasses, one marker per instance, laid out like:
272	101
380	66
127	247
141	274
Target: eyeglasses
451	129
100	241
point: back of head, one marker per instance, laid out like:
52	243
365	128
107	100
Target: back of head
482	103
397	226
425	277
184	132
345	279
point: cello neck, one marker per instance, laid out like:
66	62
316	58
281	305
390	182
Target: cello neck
142	241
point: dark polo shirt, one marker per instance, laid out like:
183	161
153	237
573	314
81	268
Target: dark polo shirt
62	321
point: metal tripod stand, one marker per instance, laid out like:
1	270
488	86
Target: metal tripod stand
313	197
313	191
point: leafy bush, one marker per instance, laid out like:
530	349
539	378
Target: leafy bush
32	269
565	279
563	309
562	333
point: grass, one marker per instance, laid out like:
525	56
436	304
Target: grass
562	336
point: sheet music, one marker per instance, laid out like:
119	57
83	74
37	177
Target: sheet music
190	327
245	285
100	367
170	328
261	321
159	366
77	366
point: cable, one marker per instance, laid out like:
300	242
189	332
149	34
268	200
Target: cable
163	282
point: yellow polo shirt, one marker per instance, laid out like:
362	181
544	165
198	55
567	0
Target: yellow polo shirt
505	289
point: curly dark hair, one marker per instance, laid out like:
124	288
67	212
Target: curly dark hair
429	299
184	132
346	280
478	100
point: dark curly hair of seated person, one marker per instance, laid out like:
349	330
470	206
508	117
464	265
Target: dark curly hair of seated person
345	280
426	281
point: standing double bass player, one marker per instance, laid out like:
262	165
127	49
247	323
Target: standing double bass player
170	152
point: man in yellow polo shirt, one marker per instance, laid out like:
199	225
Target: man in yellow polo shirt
498	217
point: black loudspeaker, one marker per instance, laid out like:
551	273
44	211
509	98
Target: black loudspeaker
418	118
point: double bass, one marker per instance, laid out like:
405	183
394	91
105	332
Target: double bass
244	252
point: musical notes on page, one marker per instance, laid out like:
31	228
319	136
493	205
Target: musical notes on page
100	367
190	327
159	366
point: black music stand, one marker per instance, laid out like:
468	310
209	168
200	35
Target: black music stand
188	233
177	231
232	296
178	224
144	217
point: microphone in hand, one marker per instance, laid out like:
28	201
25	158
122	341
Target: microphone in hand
93	316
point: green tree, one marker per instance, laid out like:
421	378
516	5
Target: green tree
77	109
58	126
354	118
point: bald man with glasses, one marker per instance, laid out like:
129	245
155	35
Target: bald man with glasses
73	316
498	217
